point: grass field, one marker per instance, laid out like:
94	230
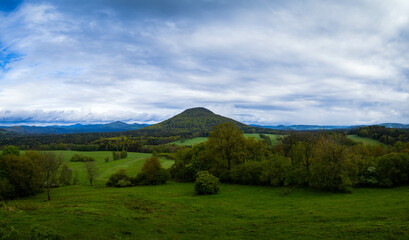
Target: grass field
171	211
190	142
133	163
365	141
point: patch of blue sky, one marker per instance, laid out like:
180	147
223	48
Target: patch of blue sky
7	57
9	5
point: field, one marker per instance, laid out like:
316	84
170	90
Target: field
190	142
365	141
133	163
172	211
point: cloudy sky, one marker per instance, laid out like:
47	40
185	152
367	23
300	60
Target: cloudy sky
260	62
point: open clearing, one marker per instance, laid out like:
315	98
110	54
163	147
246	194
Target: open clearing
191	142
133	164
365	141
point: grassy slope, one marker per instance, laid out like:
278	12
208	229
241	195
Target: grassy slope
171	211
365	141
197	140
133	163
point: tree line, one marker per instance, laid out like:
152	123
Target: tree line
385	135
327	161
27	174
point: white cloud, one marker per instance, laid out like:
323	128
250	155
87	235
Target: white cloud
310	62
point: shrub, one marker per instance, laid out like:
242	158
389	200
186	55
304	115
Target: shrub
114	179
124	183
106	159
81	158
206	183
124	154
152	173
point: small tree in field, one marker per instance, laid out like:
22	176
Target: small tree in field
51	162
92	171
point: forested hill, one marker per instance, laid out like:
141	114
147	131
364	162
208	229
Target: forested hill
197	120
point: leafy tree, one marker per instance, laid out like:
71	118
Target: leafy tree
92	171
152	173
226	148
51	164
11	150
65	175
21	173
328	168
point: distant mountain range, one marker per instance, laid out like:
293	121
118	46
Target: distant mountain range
77	128
189	121
327	127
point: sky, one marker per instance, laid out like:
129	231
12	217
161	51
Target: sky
259	62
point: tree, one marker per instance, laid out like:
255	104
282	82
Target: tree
11	150
226	143
328	168
65	175
152	173
21	173
51	162
92	171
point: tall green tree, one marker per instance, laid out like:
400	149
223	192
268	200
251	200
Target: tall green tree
226	144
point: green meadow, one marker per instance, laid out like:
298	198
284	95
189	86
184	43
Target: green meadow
172	211
133	164
191	142
365	141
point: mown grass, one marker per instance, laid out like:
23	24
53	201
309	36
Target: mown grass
191	142
172	211
365	141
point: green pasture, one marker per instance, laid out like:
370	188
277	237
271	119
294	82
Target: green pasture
172	211
190	142
365	141
133	163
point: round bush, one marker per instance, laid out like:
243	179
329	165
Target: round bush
206	183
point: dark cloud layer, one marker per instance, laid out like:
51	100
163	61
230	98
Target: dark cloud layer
266	62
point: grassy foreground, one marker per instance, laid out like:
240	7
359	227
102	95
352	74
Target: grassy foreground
172	211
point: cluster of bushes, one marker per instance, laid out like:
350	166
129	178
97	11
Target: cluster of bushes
325	161
119	155
152	173
81	158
